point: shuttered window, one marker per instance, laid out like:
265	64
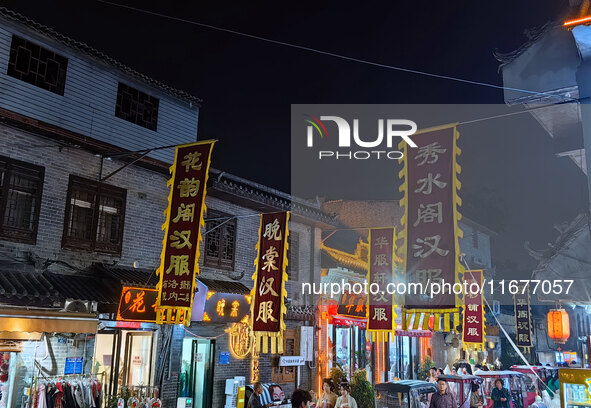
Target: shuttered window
21	186
220	240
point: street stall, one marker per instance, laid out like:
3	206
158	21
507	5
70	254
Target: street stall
536	381
512	380
404	394
574	387
461	387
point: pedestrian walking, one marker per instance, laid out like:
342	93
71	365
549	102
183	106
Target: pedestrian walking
442	398
476	400
500	395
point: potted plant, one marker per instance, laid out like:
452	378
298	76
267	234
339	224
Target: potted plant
362	390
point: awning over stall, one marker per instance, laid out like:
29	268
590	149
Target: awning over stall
28	321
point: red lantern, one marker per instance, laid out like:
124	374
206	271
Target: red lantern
332	307
558	325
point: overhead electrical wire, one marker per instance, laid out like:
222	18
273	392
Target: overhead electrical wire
332	54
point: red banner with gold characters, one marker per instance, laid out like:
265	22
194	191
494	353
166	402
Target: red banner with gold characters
184	219
380	310
522	317
268	293
431	248
473	335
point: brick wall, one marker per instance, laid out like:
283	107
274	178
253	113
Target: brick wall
51	355
143	216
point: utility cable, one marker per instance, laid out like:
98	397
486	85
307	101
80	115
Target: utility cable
331	54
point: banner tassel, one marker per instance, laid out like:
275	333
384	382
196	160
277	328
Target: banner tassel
437	322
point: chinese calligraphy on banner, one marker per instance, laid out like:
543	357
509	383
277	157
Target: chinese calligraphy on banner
380	310
473	334
522	318
268	293
137	305
184	219
431	248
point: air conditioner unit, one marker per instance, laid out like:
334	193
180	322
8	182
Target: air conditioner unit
80	306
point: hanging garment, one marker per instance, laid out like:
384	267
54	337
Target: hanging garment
41	396
78	394
58	396
48	393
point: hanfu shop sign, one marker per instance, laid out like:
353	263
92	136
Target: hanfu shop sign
269	289
184	218
522	317
473	331
380	315
431	249
137	305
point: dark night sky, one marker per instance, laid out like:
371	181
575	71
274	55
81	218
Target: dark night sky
248	85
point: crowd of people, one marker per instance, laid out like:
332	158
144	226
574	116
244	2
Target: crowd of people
303	399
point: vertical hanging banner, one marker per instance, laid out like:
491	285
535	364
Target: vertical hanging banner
522	318
431	250
184	219
268	293
380	305
473	335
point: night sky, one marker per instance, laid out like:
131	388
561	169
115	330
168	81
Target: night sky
515	186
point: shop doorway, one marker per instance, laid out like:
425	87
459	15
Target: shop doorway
197	371
125	358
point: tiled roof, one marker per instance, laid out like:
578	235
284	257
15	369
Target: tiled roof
92	52
84	287
127	276
225	286
26	285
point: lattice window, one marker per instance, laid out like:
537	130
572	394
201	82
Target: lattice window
220	240
36	65
21	186
137	107
95	215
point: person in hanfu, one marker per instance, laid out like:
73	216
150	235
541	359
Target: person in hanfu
346	400
328	398
500	395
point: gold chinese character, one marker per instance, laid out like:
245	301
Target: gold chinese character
272	230
522	326
379	314
192	160
189	188
185	212
429	213
220	307
472	319
180	265
186	285
433	247
521	302
138	303
266	312
430	153
524	337
382	241
426	184
269	259
380	260
235	306
172	284
267	286
180	239
473	307
473	331
522	314
359	307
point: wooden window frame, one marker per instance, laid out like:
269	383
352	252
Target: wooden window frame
9	166
40	75
218	262
100	190
293	267
284	375
142	100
